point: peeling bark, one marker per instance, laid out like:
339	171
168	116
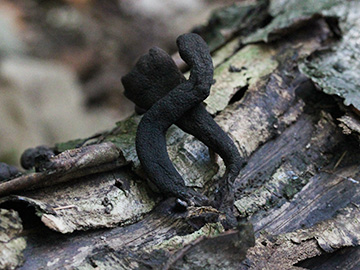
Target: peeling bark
299	190
284	251
68	165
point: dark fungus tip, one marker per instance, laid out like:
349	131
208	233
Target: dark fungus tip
195	52
192	48
7	171
30	156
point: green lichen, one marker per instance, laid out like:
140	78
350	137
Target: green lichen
124	137
336	70
255	61
176	242
284	182
294	185
289	14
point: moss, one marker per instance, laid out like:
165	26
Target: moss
292	187
61	147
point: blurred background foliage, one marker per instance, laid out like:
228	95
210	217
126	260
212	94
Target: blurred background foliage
61	62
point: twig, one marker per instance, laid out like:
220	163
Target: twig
64	207
339	161
69	165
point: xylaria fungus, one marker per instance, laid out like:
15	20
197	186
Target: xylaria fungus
34	157
157	87
8	172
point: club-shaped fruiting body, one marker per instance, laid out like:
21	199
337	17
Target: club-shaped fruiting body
157	86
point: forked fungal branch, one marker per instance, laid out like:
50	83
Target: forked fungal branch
157	86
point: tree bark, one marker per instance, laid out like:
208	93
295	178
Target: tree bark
298	195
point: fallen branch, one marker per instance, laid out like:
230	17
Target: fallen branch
69	165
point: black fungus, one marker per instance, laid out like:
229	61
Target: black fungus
34	157
157	86
8	172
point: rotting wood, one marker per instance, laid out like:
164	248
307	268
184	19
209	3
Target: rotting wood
335	68
284	251
100	200
350	124
299	190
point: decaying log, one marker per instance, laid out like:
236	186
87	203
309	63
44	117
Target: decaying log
298	196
